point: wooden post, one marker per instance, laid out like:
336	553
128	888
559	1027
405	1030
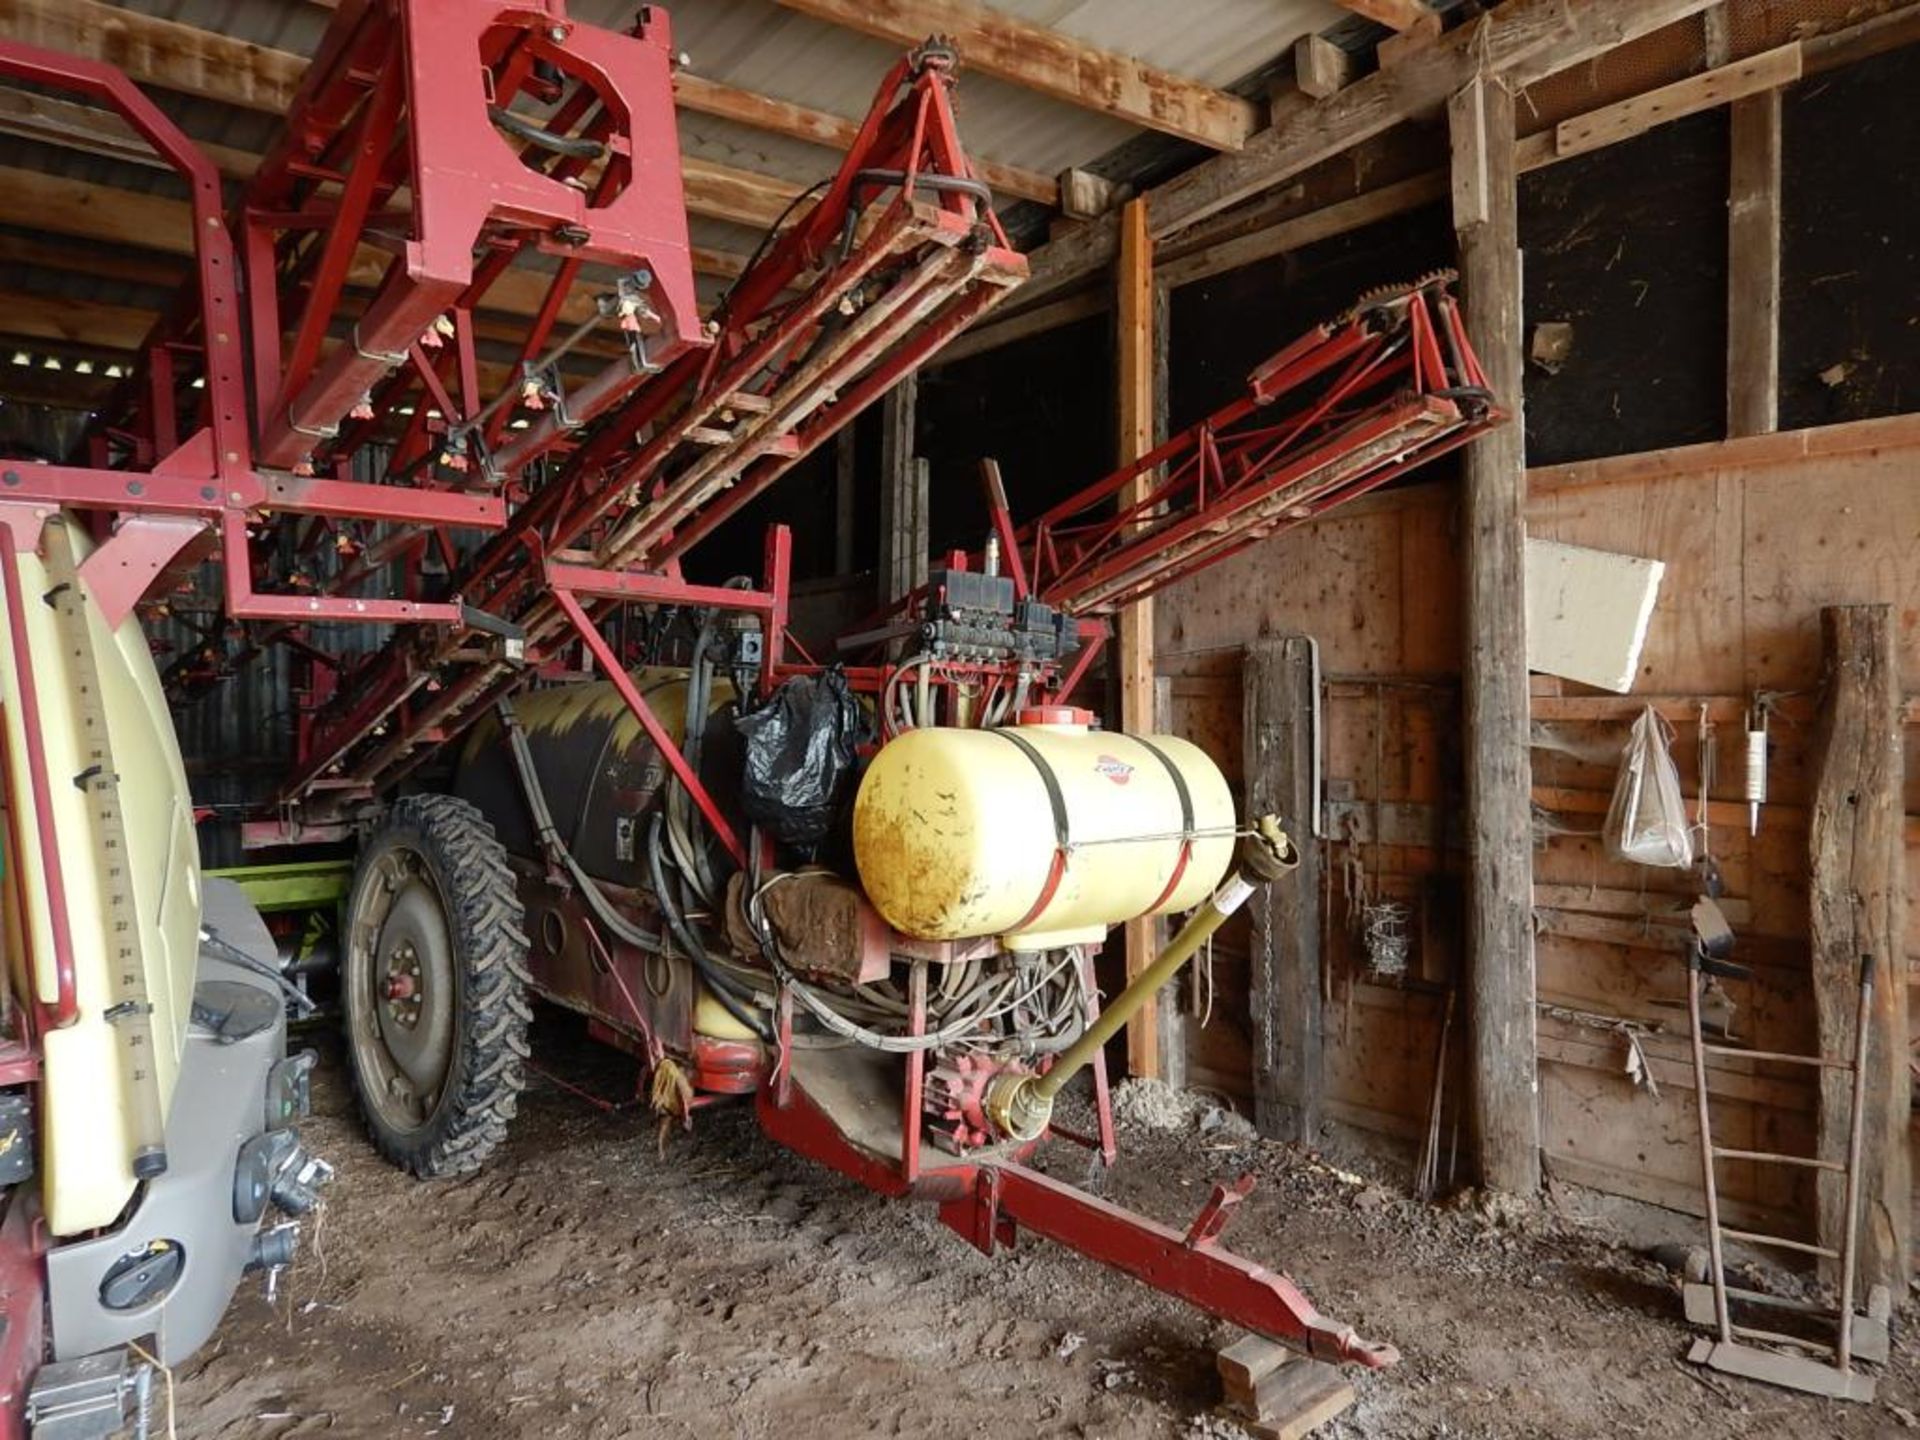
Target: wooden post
1858	879
1134	350
1172	1015
1753	267
903	497
1500	963
843	483
1281	706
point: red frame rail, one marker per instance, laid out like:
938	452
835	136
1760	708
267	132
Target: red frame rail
551	162
899	254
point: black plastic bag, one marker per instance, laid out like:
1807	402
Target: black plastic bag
800	756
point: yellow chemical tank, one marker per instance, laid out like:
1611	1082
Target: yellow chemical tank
957	832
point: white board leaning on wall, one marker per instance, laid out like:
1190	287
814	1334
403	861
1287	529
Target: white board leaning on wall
1587	612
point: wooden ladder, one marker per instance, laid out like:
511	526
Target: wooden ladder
1710	1303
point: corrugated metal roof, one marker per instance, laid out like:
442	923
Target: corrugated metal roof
758	45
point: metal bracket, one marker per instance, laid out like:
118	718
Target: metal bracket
1218	1210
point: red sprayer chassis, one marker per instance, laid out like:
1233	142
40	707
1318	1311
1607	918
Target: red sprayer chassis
507	517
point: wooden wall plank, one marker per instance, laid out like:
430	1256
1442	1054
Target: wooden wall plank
1758	534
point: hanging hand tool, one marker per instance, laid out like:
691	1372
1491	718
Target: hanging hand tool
1756	760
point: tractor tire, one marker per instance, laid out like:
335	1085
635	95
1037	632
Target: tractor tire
434	987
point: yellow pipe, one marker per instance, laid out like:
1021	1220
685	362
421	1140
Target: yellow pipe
1021	1106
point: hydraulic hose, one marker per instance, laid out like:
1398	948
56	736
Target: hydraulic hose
603	910
578	147
719	983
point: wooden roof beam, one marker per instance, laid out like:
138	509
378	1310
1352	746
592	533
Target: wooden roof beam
155	224
1396	15
1520	42
86	323
164	53
719	192
1022	53
172	56
73	126
834	132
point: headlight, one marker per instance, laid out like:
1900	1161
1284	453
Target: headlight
253	1178
290	1090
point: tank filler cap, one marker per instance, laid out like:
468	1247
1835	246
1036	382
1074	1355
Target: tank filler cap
1055	715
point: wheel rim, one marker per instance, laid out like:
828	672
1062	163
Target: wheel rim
403	989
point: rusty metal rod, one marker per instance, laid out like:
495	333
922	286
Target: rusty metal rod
1723	1319
1850	1237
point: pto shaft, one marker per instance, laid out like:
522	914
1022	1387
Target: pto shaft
1021	1106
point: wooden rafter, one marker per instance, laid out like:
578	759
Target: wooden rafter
73	322
718	191
1394	14
146	225
835	132
1523	41
992	42
107	262
163	53
53	121
100	329
173	56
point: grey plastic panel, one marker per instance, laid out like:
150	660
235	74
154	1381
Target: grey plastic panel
218	1105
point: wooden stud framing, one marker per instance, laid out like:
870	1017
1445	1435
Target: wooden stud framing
1134	349
1500	979
1281	695
903	495
1472	202
136	267
741	197
992	42
1858	890
1753	267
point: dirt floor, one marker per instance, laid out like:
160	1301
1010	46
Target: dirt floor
583	1286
